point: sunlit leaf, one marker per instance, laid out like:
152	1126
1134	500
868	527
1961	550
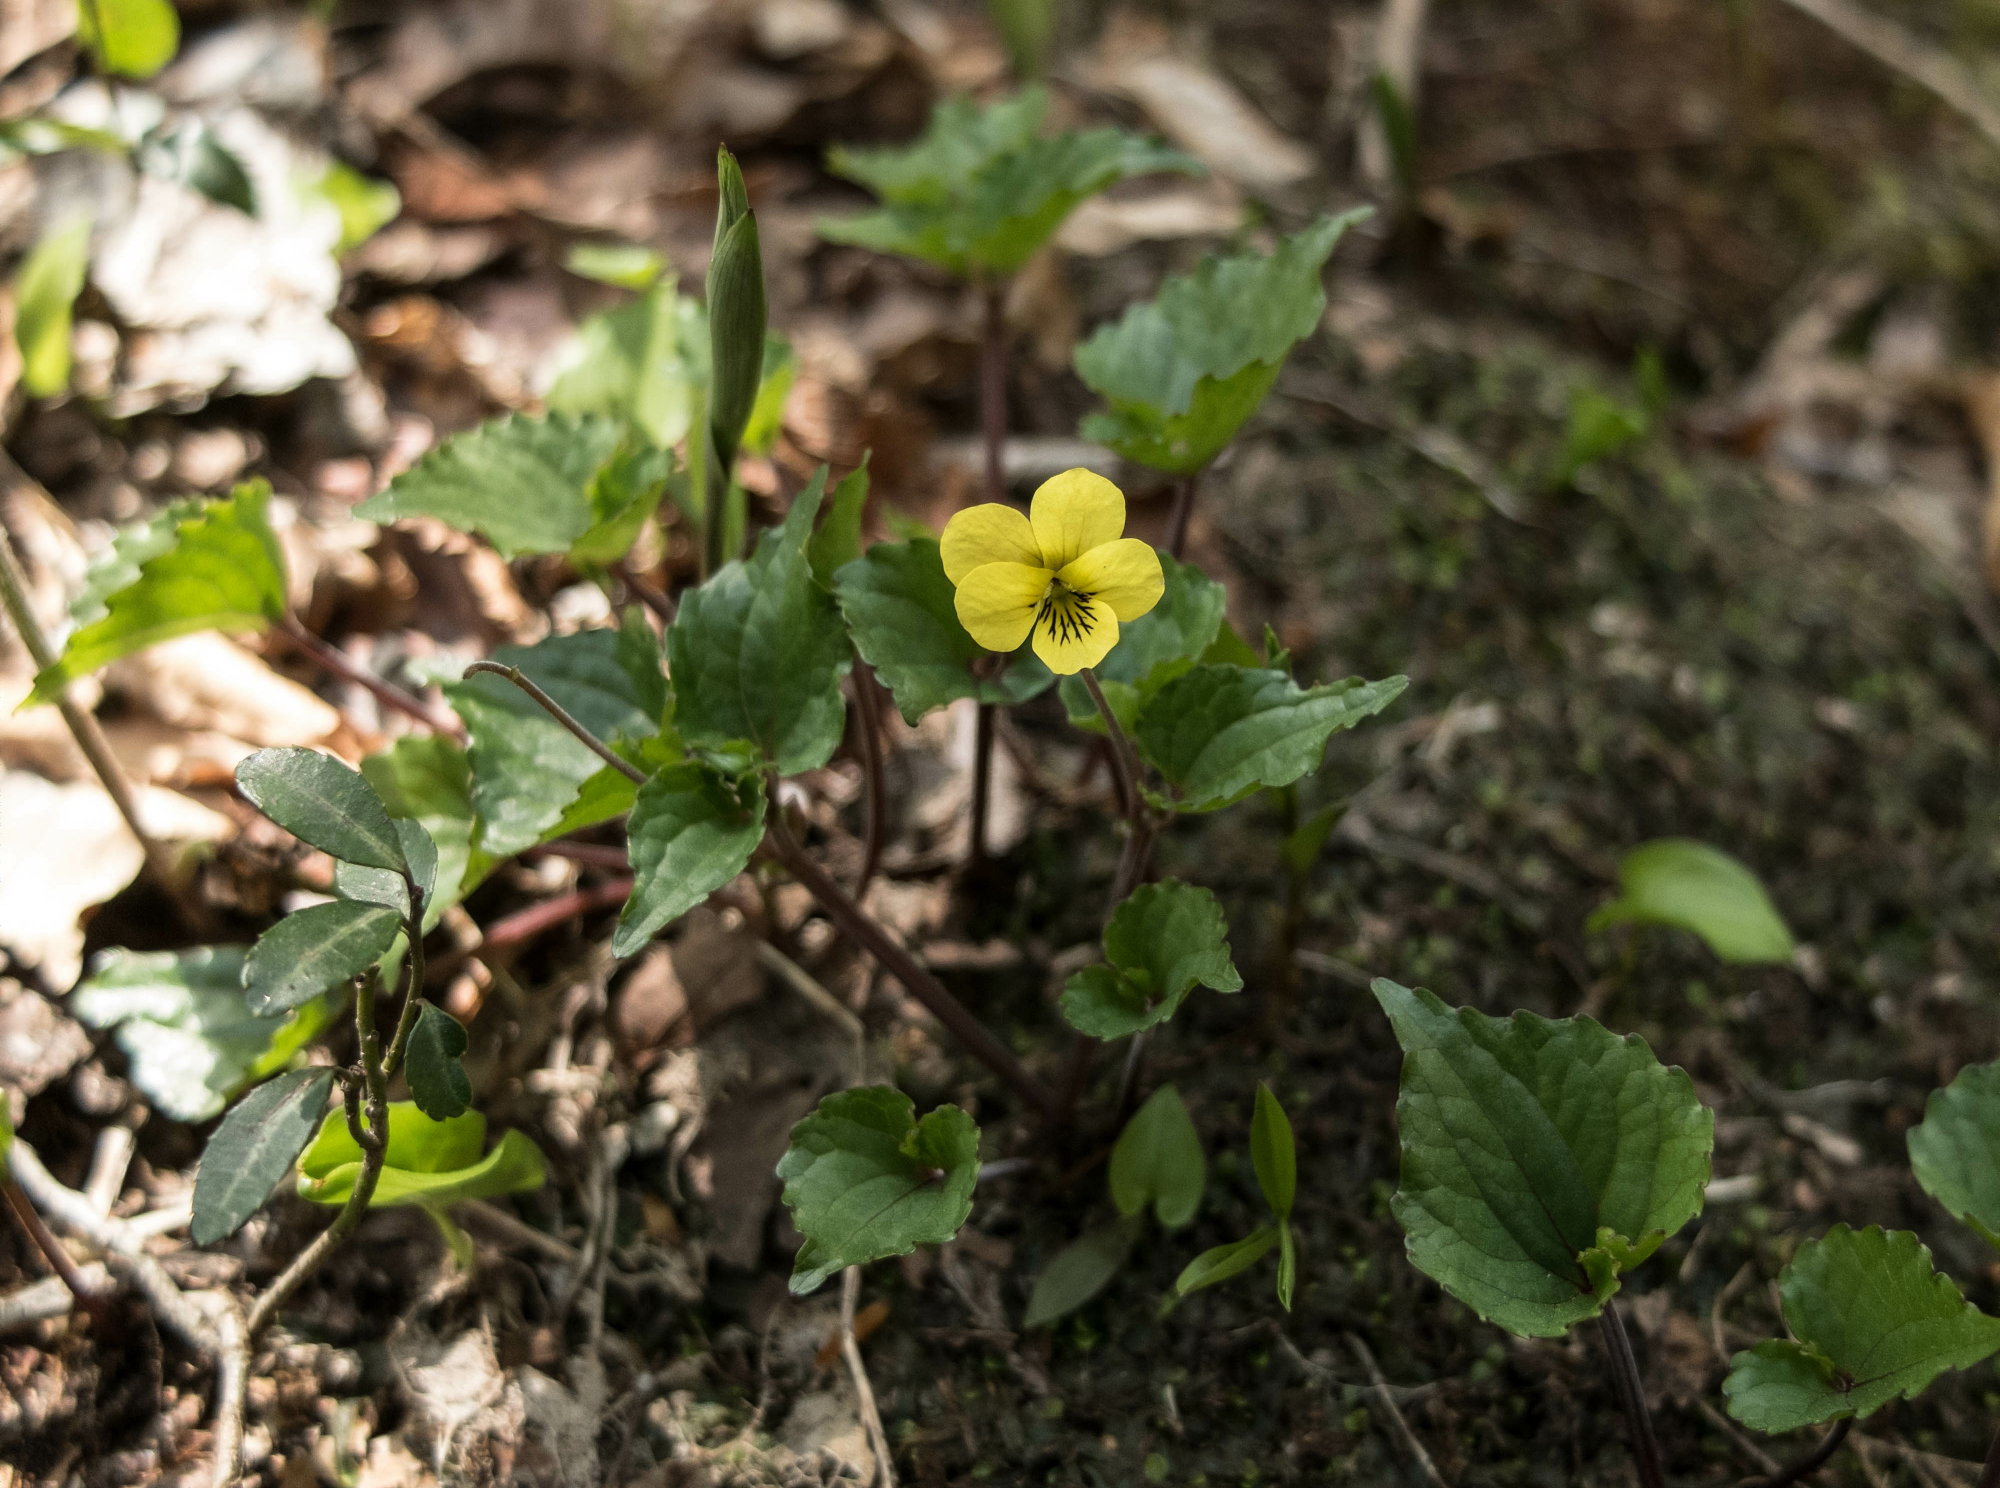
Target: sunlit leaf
253	1149
312	950
428	1162
1692	886
324	804
45	291
129	38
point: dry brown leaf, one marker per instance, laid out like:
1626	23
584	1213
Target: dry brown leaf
1109	224
39	1044
209	683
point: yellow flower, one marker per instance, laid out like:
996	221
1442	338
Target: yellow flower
1062	572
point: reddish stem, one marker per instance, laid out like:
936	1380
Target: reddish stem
337	661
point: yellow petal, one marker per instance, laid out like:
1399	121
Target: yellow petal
1073	513
987	534
1073	631
997	601
1124	575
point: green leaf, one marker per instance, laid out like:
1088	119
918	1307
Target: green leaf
623	494
324	804
837	543
6	1132
626	265
1158	1160
736	311
224	571
365	205
1872	1320
767	412
1541	1157
1081	1269
1288	1264
1161	943
1955	1149
431	1163
1692	886
526	767
692	831
1272	1153
899	605
645	362
380	886
981	189
187	153
1219	732
314	949
438	1082
253	1149
129	38
1599	427
1183	370
1025	28
189	1041
1225	1261
1161	644
865	1179
757	652
45	291
427	779
523	483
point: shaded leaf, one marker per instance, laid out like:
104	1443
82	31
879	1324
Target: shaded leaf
1692	886
526	767
1872	1319
521	482
692	830
757	652
1541	1157
427	779
1161	644
253	1149
189	1041
1185	369
431	1163
645	362
837	543
982	189
1955	1149
433	1064
900	606
1158	1160
314	949
45	291
1161	943
380	886
223	571
1272	1153
1225	1261
324	804
1080	1270
1288	1264
1219	732
187	153
865	1179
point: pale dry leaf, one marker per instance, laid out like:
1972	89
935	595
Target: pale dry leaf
64	849
209	683
30	27
1111	223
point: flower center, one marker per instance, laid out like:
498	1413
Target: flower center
1070	614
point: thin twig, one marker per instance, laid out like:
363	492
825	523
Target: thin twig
1931	69
526	924
807	986
865	931
90	1299
1123	766
1398	1427
343	666
653	598
83	726
413	976
982	781
1989	1475
1632	1396
1177	528
868	733
1806	1465
208	1322
562	716
864	1393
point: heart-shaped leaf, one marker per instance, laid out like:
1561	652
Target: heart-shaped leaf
324	804
1162	942
313	949
757	652
1158	1160
692	830
1871	1319
223	570
438	1082
1692	886
1219	732
1955	1149
1183	370
189	1041
1541	1157
253	1149
865	1179
901	608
